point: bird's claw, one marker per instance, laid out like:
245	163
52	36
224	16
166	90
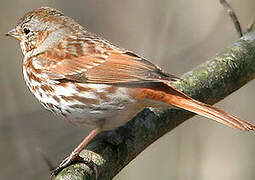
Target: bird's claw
71	159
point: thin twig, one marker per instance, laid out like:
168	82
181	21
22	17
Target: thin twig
250	25
233	16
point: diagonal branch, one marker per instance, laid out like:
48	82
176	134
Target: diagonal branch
210	82
233	16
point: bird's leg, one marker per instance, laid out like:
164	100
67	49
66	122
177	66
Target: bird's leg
74	156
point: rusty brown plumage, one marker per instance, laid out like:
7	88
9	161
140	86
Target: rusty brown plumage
88	80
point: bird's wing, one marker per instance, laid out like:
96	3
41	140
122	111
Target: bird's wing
97	65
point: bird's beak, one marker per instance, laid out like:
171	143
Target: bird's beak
13	33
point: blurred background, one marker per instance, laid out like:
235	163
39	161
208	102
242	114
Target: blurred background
175	34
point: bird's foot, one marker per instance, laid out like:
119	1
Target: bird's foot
69	160
72	159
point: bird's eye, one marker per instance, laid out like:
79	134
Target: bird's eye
26	31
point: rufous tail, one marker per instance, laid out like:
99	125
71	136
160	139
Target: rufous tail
179	99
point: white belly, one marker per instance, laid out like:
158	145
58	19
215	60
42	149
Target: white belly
89	107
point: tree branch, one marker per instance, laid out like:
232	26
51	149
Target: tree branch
233	16
209	82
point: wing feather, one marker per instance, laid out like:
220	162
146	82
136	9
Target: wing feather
112	66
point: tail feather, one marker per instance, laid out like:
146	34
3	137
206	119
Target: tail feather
173	96
210	112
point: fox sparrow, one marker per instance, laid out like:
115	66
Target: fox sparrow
88	80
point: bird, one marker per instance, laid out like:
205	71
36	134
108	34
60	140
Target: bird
90	81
